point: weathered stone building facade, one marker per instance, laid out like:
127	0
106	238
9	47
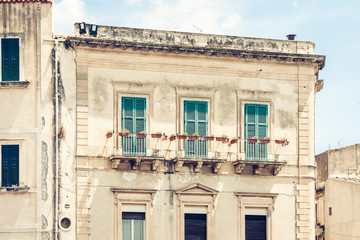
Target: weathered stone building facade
26	122
338	193
152	181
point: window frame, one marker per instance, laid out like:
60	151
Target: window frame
138	198
265	201
22	172
241	125
132	90
21	37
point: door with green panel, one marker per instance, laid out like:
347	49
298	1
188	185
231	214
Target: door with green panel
134	119
256	124
196	121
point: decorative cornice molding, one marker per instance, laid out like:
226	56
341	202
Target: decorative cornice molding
207	51
23	1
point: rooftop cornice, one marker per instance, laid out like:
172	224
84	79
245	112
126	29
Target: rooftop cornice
24	1
208	51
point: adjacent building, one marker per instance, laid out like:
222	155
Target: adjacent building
338	193
26	122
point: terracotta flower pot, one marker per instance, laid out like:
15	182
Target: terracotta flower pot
122	134
252	140
209	138
156	135
181	136
172	138
193	137
141	135
222	139
109	135
233	141
265	140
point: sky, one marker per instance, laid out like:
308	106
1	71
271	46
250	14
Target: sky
333	25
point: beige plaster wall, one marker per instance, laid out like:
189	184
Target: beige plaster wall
343	198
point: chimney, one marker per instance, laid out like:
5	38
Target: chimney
291	37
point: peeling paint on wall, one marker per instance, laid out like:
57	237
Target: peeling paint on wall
44	222
44	171
129	177
45	236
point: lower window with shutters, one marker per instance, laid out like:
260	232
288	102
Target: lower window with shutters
133	226
9	165
10	59
255	227
195	226
256	124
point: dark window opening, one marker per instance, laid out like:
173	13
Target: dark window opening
133	226
9	165
195	226
10	59
255	227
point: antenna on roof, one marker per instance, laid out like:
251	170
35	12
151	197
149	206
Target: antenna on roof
197	28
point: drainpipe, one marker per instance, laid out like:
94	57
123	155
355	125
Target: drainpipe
56	49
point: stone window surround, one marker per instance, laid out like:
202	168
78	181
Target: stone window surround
195	94
247	97
22	172
196	199
255	200
142	197
22	82
132	90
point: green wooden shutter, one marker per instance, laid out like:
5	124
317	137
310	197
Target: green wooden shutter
128	114
10	165
195	117
256	124
10	59
140	114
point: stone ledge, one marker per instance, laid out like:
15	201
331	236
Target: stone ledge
258	167
15	189
14	84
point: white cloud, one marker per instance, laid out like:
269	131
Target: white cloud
211	16
66	13
295	4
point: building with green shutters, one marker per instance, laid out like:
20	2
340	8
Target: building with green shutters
139	134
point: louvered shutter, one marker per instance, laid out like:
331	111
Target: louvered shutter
10	165
140	114
190	118
250	121
10	59
128	114
262	121
255	227
202	118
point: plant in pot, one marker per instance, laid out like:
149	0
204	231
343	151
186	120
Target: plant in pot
124	133
195	136
282	141
254	139
156	135
182	136
234	140
109	134
265	140
172	137
222	138
141	134
209	138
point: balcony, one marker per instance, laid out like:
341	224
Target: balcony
248	157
